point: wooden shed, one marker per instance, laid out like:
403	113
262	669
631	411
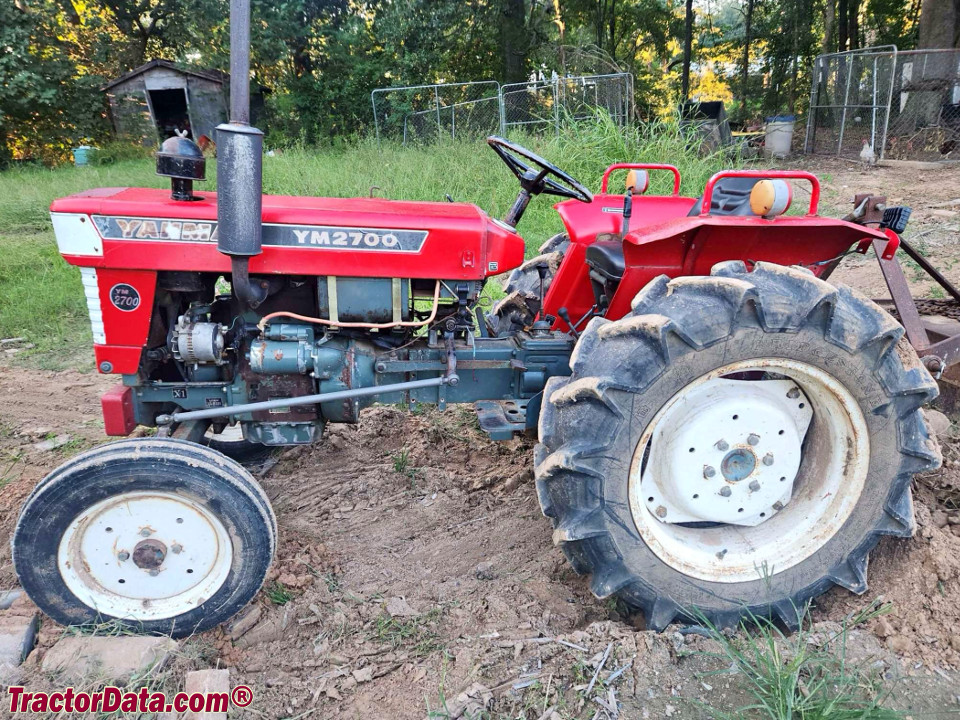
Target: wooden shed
159	98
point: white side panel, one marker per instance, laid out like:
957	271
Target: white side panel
92	292
76	234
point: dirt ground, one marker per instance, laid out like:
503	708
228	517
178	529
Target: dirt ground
416	573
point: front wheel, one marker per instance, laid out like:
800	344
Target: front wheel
163	535
734	446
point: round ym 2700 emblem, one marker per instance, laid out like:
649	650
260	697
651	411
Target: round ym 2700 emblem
124	297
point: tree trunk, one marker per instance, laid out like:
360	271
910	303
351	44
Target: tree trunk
514	41
939	20
687	52
794	70
842	26
829	19
745	69
854	24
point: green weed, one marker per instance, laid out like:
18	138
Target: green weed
802	677
279	594
401	461
418	635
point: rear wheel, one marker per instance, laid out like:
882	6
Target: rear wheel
519	308
164	535
735	445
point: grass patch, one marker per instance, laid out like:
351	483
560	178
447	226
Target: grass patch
279	594
418	635
803	676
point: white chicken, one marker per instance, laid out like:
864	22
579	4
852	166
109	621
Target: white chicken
867	155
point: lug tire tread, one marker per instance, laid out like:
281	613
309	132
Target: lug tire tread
669	319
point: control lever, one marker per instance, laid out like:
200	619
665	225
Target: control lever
541	268
565	316
628	203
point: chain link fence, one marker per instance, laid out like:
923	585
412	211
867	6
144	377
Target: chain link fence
904	105
425	113
850	101
925	112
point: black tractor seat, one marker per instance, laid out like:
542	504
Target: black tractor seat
605	257
731	196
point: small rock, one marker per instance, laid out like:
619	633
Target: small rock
485	571
939	423
206	682
669	710
52	443
109	658
399	607
364	674
241	624
8	597
883	628
900	644
269	630
18	634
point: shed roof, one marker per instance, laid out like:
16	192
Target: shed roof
212	75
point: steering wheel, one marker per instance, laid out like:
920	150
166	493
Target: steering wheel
535	174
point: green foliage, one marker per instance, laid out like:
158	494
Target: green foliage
804	676
319	59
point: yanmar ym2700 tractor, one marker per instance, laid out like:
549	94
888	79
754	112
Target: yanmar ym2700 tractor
722	431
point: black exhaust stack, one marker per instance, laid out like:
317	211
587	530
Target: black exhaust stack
240	167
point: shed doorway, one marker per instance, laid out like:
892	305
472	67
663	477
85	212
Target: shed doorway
170	112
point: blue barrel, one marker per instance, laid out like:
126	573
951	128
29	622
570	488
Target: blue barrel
83	154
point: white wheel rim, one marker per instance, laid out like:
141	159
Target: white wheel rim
145	555
776	503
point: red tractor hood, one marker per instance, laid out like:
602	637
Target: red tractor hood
145	229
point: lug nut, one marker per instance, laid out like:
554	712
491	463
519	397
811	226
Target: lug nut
768	459
123	556
154	572
145	533
708	471
725	491
176	549
778	505
661	511
722	445
753	439
793	393
754	485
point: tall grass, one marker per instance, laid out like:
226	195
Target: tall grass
40	296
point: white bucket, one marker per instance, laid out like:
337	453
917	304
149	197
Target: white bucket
779	135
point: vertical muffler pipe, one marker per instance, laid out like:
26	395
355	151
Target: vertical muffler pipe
240	167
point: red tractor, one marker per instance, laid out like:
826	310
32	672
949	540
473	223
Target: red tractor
722	431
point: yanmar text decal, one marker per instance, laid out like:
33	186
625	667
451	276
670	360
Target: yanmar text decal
310	236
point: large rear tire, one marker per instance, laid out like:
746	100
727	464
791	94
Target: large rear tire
518	309
163	535
680	463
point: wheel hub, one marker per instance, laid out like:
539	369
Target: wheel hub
149	554
751	431
145	555
738	464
